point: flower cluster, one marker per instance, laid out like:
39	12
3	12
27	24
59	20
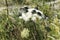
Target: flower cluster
25	33
27	14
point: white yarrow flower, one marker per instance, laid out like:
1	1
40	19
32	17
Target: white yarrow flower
29	15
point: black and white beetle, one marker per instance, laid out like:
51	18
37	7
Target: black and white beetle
27	13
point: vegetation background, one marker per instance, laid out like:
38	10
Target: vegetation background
13	28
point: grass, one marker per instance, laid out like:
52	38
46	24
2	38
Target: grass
11	27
